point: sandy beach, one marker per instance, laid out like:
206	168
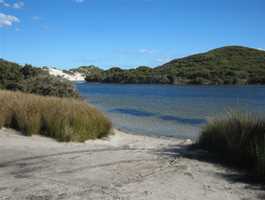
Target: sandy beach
123	166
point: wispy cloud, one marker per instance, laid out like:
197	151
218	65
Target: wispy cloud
261	49
146	51
7	20
45	27
160	60
163	59
3	3
16	5
79	1
36	18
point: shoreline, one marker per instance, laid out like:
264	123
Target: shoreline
121	138
162	137
122	166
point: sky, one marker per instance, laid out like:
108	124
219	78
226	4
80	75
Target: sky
124	33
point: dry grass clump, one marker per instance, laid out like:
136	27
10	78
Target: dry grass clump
64	119
239	139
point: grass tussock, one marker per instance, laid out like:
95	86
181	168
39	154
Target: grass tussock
238	138
64	119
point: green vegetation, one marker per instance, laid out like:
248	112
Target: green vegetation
65	119
139	75
238	139
87	70
227	65
49	86
33	80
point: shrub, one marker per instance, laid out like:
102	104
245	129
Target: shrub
28	71
239	139
9	73
33	80
65	119
49	86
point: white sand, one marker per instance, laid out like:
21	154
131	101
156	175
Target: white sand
122	167
59	73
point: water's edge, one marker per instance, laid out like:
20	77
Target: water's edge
167	110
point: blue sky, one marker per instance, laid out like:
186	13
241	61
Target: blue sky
126	33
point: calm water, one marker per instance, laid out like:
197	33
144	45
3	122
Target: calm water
166	110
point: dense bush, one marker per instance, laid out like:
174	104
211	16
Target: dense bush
239	139
9	73
64	119
49	86
28	71
140	75
33	80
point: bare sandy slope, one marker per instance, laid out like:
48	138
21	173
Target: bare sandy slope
121	167
71	77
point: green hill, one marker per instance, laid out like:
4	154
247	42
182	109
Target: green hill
227	65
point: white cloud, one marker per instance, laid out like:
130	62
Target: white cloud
16	5
79	1
7	20
5	4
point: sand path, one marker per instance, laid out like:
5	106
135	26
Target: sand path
121	167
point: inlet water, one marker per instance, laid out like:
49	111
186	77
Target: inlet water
168	110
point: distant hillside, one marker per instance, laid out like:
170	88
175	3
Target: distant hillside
227	65
139	75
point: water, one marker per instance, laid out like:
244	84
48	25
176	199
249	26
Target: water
167	110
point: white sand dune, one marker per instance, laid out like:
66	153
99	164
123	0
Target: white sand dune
71	77
123	166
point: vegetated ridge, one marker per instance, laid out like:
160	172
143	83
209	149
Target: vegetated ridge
227	65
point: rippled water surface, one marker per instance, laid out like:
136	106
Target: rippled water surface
167	110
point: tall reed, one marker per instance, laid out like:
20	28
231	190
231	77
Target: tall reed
64	119
238	138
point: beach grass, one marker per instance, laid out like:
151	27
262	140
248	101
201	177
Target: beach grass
239	138
65	119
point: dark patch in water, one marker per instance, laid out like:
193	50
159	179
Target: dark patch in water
191	121
133	112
